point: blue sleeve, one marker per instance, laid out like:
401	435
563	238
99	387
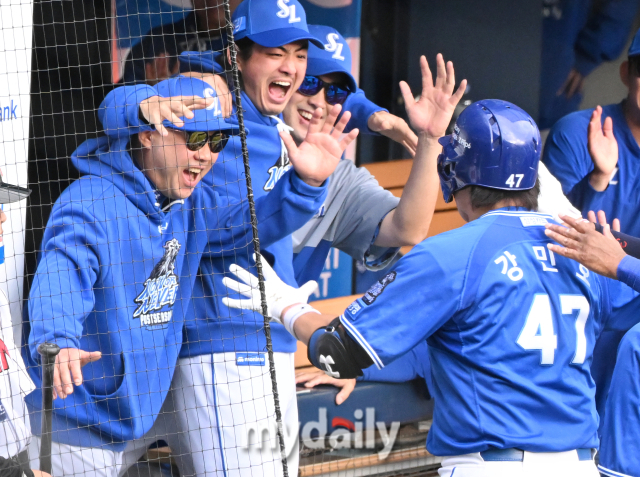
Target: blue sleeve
605	36
361	110
620	441
415	364
567	157
621	307
119	110
286	208
62	292
384	321
629	272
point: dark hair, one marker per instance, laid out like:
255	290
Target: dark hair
245	48
486	198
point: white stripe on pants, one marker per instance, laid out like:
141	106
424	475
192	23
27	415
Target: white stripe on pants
226	415
534	464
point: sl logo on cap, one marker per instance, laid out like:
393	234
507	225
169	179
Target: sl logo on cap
334	46
288	11
215	106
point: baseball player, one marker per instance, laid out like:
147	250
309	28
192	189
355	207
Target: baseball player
358	217
608	184
510	327
15	383
619	453
121	251
223	356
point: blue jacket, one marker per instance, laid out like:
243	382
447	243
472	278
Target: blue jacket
211	326
116	275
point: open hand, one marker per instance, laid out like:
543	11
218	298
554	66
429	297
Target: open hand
600	253
156	109
315	377
219	84
603	148
432	113
315	159
67	370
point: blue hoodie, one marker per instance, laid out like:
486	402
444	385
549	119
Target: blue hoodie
210	326
116	275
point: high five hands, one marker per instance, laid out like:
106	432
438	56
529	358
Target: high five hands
431	114
603	148
315	159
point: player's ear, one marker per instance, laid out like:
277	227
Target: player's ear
624	73
237	57
144	137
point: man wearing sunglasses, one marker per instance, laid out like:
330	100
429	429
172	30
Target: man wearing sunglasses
226	347
359	216
594	181
119	261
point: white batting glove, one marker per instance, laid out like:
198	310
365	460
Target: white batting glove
279	295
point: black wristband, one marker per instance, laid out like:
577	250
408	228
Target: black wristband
630	244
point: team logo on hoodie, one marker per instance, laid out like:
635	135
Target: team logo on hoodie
281	166
160	289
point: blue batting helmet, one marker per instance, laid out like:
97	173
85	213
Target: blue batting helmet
494	144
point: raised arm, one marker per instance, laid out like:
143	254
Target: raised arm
127	110
409	223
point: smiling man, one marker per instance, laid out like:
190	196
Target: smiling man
222	387
118	266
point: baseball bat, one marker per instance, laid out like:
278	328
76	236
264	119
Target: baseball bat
48	352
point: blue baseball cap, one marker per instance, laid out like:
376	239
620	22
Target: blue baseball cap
272	23
205	120
334	58
634	49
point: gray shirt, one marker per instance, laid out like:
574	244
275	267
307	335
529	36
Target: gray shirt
349	220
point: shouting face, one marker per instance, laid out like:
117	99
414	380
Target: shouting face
272	75
171	166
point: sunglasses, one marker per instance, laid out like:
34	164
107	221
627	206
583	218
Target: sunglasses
333	93
197	139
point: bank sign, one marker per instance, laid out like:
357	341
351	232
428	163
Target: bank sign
16	23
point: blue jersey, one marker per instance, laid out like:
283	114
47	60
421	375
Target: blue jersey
566	154
620	441
510	328
620	444
415	364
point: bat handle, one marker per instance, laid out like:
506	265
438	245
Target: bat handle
48	352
